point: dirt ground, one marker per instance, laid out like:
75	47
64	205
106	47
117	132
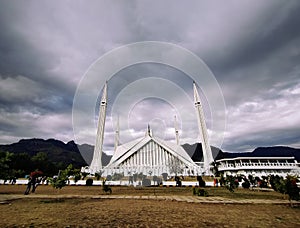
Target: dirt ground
142	213
60	212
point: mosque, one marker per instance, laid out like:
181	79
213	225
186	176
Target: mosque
151	155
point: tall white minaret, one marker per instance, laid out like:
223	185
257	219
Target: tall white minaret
117	135
96	164
207	154
176	130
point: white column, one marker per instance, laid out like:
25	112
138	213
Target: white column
134	159
159	159
140	156
96	163
207	154
144	156
155	155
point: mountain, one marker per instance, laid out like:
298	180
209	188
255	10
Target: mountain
87	152
195	151
57	151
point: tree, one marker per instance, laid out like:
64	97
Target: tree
98	174
222	180
40	158
40	161
292	188
60	181
22	164
231	183
251	180
63	177
286	186
215	169
6	171
246	183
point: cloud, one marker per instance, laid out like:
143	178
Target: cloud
271	120
25	124
252	47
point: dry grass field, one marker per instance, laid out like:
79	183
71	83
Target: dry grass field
74	212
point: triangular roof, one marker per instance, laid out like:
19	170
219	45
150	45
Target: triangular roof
172	147
126	150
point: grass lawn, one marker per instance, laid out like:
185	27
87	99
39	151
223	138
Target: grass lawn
123	190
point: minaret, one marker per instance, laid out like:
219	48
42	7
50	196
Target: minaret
148	132
207	154
117	135
96	164
176	130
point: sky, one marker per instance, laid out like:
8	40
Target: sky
251	47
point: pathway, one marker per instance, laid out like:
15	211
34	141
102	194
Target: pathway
5	198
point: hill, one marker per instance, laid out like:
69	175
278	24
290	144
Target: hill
195	151
57	151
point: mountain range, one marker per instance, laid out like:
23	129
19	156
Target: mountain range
81	155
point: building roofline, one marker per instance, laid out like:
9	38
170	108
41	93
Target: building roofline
253	158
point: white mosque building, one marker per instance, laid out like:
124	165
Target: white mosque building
150	155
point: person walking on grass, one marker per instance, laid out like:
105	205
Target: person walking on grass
32	182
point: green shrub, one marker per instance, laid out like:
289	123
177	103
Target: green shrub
165	176
200	192
246	184
231	183
201	182
146	182
89	182
109	178
106	188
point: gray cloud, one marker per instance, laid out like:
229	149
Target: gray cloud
252	47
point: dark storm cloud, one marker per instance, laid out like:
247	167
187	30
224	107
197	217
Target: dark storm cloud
273	31
252	47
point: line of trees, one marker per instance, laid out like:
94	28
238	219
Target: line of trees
18	165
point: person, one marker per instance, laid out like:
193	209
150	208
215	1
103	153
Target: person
13	180
178	182
28	186
32	182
